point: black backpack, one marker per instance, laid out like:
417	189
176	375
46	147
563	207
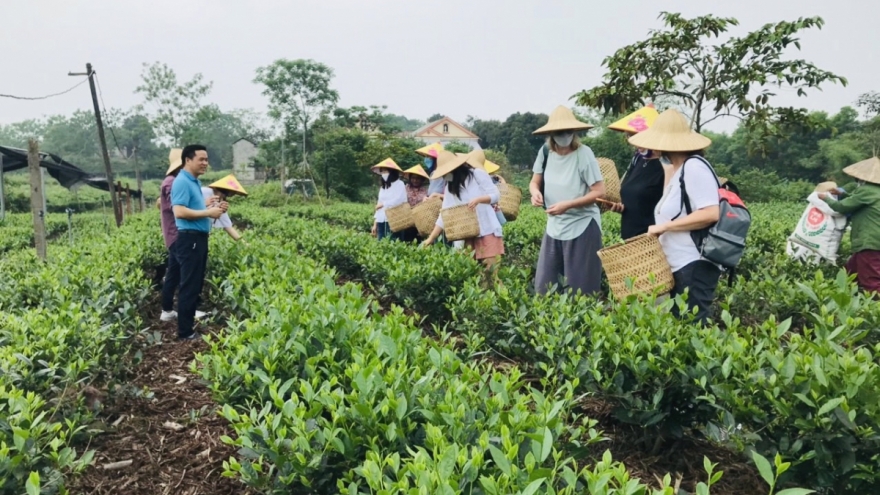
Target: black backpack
724	242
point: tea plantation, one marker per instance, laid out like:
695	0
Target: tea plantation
343	365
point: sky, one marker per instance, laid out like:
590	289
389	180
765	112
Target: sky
485	58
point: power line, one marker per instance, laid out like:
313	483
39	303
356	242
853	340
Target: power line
101	96
47	96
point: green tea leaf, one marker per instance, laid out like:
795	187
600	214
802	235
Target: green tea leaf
533	487
795	491
831	404
33	484
500	460
547	446
764	468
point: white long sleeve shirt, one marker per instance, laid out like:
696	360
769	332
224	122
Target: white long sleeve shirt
393	195
480	185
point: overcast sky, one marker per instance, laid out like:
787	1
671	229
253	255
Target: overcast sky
487	58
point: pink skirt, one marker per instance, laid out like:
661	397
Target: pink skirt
488	246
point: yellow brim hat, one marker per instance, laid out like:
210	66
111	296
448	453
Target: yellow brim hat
426	150
229	184
670	132
417	170
491	167
562	119
447	162
636	122
175	160
386	163
866	170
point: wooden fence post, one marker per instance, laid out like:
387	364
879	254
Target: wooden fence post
37	199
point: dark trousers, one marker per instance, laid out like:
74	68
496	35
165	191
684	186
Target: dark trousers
411	235
172	280
383	230
866	266
572	264
700	278
191	251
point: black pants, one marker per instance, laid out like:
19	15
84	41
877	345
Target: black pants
191	252
701	279
172	280
411	235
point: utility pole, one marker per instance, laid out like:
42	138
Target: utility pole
117	208
37	199
283	168
140	184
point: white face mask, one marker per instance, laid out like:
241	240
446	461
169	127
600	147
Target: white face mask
384	175
563	139
665	160
448	177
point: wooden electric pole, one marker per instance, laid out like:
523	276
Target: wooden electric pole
36	183
117	208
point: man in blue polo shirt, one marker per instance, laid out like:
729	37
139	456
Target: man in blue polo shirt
193	219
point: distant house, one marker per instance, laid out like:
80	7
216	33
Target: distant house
445	131
244	166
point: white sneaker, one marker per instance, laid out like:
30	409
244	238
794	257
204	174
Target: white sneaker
200	315
168	315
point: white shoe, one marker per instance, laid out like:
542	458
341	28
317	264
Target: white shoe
168	315
200	315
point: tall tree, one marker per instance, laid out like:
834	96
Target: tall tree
435	117
713	79
870	102
172	105
520	153
298	91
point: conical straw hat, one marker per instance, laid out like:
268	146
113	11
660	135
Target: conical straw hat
175	160
477	159
826	187
562	119
386	163
229	184
491	167
866	170
430	150
447	162
670	132
636	122
417	170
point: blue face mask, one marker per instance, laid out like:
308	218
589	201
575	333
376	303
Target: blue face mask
429	163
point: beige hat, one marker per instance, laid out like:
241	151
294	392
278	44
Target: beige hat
447	162
866	170
417	170
477	159
670	132
562	119
175	160
826	187
386	163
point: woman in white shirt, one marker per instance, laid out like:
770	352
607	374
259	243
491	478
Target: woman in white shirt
468	184
392	192
684	213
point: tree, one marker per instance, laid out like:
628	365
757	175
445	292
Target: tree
435	117
456	147
298	91
520	153
712	79
172	106
336	161
870	102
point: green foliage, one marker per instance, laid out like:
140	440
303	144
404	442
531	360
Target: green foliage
456	147
713	79
173	105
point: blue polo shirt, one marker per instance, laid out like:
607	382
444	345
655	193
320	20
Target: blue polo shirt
187	191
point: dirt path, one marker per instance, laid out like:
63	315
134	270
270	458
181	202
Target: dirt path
171	437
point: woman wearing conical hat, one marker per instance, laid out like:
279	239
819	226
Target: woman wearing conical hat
681	152
862	203
642	184
392	193
220	191
468	184
566	181
431	152
492	169
416	180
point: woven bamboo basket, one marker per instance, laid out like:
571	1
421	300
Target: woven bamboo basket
400	217
511	198
425	215
611	180
640	260
459	223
